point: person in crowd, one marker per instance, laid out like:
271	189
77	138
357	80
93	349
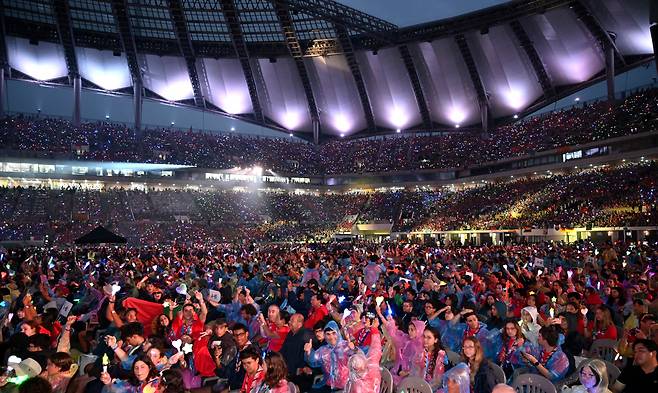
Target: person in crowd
142	379
429	363
529	326
276	372
275	329
171	381
642	375
332	356
593	378
59	371
364	373
253	370
482	375
35	385
235	373
457	379
602	327
550	361
292	352
513	345
406	345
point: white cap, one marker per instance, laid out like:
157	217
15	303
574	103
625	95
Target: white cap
28	367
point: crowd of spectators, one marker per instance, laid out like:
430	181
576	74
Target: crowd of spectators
637	113
284	318
594	197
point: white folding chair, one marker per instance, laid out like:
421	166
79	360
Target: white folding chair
533	383
387	381
413	385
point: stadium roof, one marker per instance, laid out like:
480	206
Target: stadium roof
283	63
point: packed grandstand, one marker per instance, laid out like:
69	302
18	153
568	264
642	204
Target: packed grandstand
287	196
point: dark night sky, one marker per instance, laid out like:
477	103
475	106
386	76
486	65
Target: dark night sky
411	12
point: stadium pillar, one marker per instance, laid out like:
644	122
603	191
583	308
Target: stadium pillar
653	20
484	116
137	96
654	38
316	131
610	71
77	92
3	91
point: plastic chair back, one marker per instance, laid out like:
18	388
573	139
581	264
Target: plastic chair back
386	385
533	383
604	349
414	385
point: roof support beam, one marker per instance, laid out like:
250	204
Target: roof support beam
605	38
185	43
416	85
535	60
477	20
233	21
4	59
65	33
350	56
483	100
295	49
120	12
349	17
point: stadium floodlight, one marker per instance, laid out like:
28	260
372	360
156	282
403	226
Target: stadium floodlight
577	99
398	130
290	134
107	116
456	125
232	128
173	123
342	135
516	116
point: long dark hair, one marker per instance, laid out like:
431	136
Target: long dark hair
276	369
172	381
438	346
152	371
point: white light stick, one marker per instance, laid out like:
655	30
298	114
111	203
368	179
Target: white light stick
569	274
176	344
346	313
551	312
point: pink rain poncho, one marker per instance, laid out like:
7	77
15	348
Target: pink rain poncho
429	366
406	348
333	359
364	373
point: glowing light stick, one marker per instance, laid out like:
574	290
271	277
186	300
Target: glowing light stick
569	274
346	313
106	362
551	312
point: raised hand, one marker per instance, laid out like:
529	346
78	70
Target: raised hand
308	347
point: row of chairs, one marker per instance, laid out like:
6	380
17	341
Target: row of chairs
524	383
